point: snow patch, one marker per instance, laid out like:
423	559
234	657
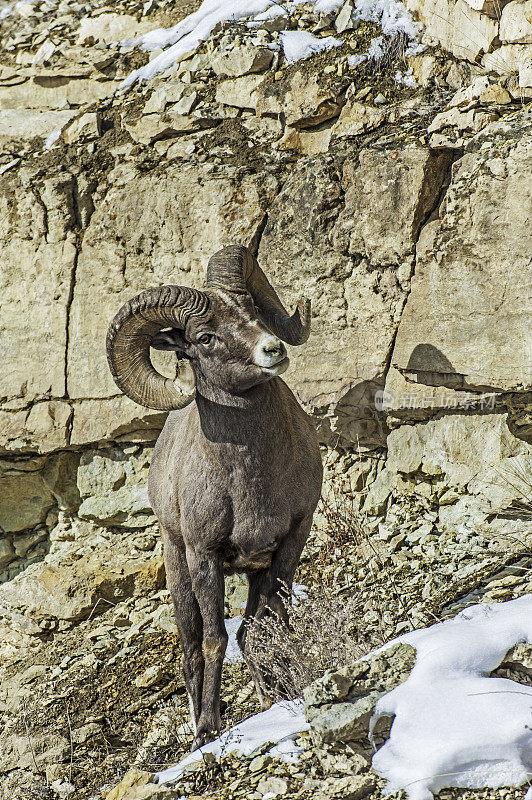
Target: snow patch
270	13
233	653
406	78
355	61
391	15
301	44
6	167
328	6
300	592
185	37
376	49
279	725
414	49
52	139
453	726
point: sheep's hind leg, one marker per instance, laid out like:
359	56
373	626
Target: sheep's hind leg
258	583
268	593
207	576
189	621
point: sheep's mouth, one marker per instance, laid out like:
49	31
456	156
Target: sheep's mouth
278	368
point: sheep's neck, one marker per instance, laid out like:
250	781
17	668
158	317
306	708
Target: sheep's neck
254	397
241	420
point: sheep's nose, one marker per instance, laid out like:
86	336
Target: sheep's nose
269	351
274	349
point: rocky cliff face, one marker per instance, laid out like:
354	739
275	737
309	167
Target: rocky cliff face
395	194
412	246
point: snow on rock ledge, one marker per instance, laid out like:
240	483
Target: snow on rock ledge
453	724
185	37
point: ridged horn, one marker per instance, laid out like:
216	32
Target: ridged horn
129	337
235	269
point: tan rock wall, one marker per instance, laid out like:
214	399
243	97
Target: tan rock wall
475	29
468	312
419	313
459	28
38	259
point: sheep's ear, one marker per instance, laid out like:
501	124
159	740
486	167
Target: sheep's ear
169	340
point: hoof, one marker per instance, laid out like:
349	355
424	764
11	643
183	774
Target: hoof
266	703
202	738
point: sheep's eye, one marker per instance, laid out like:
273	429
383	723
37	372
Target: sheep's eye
205	338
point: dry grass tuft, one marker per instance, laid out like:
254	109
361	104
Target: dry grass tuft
324	627
322	633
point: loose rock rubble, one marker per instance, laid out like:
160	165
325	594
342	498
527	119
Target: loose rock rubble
339	705
109	687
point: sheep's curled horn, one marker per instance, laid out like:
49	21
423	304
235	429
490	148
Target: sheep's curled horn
131	333
232	269
235	269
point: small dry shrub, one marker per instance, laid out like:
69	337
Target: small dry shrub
351	563
517	476
393	51
321	634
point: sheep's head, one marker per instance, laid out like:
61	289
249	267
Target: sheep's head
228	347
232	333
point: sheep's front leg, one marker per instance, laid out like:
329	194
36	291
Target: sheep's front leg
188	618
206	572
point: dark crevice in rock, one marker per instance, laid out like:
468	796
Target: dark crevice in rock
429	213
29	405
70	421
426	211
41	204
67	331
516	665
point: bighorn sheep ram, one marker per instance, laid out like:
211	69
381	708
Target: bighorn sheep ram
236	476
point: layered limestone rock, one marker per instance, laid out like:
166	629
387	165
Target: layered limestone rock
475	29
339	705
457	26
401	210
70	593
353	266
113	485
471	466
16	124
516	23
465	324
38	259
